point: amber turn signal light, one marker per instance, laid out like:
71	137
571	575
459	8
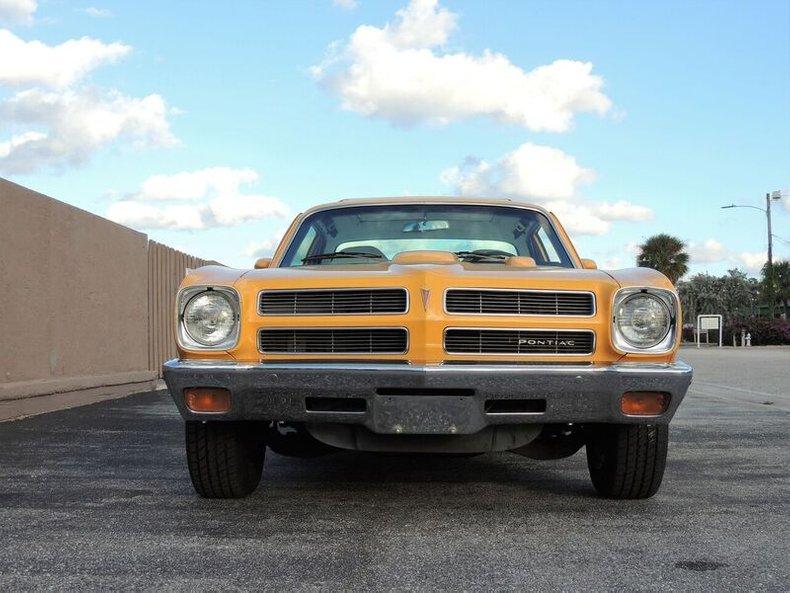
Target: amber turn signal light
644	403
207	399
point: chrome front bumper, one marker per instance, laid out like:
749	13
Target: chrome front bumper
435	399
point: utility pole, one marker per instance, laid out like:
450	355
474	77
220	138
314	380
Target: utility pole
769	197
771	295
770	235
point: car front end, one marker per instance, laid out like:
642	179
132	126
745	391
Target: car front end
431	350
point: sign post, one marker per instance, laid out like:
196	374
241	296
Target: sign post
709	322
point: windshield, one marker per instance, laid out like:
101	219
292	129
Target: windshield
478	234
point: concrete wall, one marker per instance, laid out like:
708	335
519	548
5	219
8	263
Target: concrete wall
84	302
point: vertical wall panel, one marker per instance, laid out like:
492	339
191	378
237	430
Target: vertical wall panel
74	294
166	269
89	303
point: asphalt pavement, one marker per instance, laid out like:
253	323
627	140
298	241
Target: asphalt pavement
98	497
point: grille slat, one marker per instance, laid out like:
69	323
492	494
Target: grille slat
519	302
333	302
333	341
484	341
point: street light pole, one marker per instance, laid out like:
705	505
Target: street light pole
770	235
769	197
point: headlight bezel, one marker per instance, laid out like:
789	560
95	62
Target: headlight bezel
668	298
185	340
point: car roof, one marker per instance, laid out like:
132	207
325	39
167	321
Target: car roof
395	200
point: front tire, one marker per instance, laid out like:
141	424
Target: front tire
225	459
626	461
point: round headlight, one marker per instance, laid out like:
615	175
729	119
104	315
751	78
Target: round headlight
643	320
209	318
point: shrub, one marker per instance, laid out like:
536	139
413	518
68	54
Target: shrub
765	331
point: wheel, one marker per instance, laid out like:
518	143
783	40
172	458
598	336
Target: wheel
627	461
225	459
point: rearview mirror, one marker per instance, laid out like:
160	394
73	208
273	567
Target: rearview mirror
263	262
589	264
422	226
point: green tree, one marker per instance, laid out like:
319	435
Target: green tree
739	294
731	295
666	254
779	290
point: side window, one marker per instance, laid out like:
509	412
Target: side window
304	247
547	247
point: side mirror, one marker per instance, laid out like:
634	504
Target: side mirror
589	264
263	262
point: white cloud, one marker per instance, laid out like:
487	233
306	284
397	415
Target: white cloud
36	63
548	176
346	4
265	248
529	171
752	261
213	196
17	11
421	24
612	263
97	13
69	126
196	185
17	142
233	210
578	218
143	215
622	210
472	176
53	118
711	251
611	256
399	73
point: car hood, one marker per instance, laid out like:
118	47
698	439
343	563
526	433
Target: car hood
397	274
427	276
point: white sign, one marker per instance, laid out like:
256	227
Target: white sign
709	322
705	323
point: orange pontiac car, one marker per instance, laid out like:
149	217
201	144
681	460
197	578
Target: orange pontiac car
427	325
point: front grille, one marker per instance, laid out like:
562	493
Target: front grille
496	341
334	341
332	302
520	302
558	363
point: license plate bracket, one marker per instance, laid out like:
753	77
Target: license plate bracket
427	414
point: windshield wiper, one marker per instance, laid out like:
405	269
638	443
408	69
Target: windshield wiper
475	256
339	255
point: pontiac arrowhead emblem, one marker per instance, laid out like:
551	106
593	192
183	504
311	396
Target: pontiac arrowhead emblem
426	295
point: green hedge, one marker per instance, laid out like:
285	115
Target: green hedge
765	331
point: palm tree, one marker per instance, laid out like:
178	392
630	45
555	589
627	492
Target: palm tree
664	253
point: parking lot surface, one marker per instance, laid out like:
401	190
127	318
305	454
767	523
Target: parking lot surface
99	497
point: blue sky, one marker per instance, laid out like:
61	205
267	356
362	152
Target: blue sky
262	109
